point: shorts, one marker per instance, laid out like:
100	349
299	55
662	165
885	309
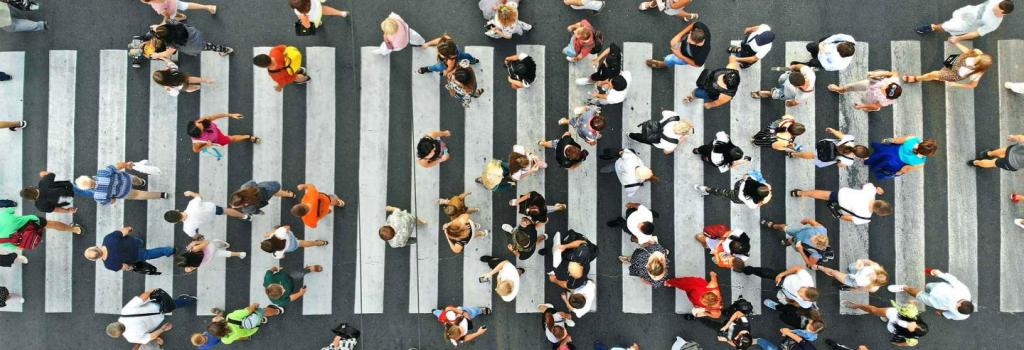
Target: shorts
183	6
293	243
671	60
833	197
222	139
219	211
1004	163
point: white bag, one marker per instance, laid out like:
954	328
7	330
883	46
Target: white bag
143	166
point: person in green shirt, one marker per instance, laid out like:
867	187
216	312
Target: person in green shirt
11	223
280	285
241	324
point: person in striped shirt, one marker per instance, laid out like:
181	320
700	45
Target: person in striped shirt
114	182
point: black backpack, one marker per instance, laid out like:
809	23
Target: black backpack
826	150
741	305
652	130
524	70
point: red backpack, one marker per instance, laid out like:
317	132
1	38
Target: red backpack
27	237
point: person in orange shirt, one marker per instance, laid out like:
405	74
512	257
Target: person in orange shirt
315	205
284	64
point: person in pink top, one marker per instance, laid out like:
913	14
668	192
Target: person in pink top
205	133
174	8
397	35
881	89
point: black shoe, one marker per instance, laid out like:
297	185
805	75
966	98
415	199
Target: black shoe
984	154
486	258
689	317
696	151
925	29
412	240
5	76
970	163
423	70
474	61
616	222
542	251
163	195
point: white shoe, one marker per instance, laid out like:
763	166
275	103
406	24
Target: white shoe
1016	87
507	228
22	259
702	189
241	255
1019	222
895	288
583	81
570	323
567	58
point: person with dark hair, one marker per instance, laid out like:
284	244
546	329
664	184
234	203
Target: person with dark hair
580	301
201	252
556	326
281	286
534	206
751	190
52	196
571	257
833	53
449	55
704	295
253	196
120	250
587	121
1010	158
638	222
649	262
242	324
315	205
522	70
755	45
178	36
729	248
841	151
950	298
721	153
568	153
205	132
461	84
795	85
174	9
628	168
611	91
284	64
899	155
717	87
671	7
796	286
198	214
735	331
904	322
523	238
584	39
780	135
690	46
881	89
522	163
311	12
282	240
608	63
400	228
432	148
849	204
174	81
972	21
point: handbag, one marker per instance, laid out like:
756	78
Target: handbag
165	300
145	268
948	63
303	31
27	237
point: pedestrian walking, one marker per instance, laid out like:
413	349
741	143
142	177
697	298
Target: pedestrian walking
175	9
200	252
881	89
972	21
432	149
523	238
840	150
522	70
534	206
729	248
638	223
580	301
587	122
399	230
899	155
458	323
849	204
810	240
611	91
665	134
522	163
832	53
584	40
461	84
284	65
199	215
253	196
17	230
455	206
114	182
950	297
241	324
1015	87
397	35
904	322
11	20
705	295
506	284
717	87
460	231
629	168
735	332
780	135
311	13
568	153
178	36
449	55
595	6
970	65
505	23
142	316
281	286
690	46
175	81
52	196
205	133
122	251
556	326
650	263
671	7
755	45
722	153
862	275
751	190
315	205
282	240
570	260
791	339
608	65
1010	158
204	340
796	286
795	85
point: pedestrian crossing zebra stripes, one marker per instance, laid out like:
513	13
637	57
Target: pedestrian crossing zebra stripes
163	117
799	172
743	113
374	79
636	109
960	144
426	118
853	239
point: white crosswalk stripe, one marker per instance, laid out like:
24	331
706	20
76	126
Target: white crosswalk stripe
163	117
213	182
423	258
799	172
960	194
374	100
688	204
530	128
742	109
636	109
908	119
853	239
320	172
12	95
60	158
582	200
110	150
1011	257
478	150
267	121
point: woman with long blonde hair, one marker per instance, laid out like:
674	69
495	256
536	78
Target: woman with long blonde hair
969	65
506	22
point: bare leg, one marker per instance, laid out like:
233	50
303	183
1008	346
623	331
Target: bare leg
911	290
837	275
877	311
212	9
60	226
285	194
7	125
546	144
816	194
930	76
143	195
985	163
234	213
1000	153
306	244
330	11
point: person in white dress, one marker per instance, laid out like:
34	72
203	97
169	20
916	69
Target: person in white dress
972	21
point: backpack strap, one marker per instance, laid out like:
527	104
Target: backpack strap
852	214
7	240
143	315
638	184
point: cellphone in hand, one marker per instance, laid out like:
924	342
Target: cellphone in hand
484	279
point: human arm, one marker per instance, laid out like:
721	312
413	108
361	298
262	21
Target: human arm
789	334
479	331
722	99
214	117
966	36
868	107
789	271
298	295
495	269
572	245
714	280
808	259
601	57
433	42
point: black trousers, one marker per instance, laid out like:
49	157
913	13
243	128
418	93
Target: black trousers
763	272
812	48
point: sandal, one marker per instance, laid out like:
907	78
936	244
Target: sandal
767	223
315	268
20	126
795	193
644	6
321	242
486	310
255	139
909	78
693	17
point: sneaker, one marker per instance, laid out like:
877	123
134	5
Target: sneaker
569	58
483	233
584	81
411	240
242	255
22	259
895	288
187	296
227	51
163	195
544	251
423	70
925	29
247	217
928	271
32	6
5	76
1016	198
984	154
624	259
506	228
1019	222
771	304
570	323
702	189
474	61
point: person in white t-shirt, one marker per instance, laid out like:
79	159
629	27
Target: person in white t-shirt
796	286
611	91
507	283
833	53
845	151
141	318
972	21
580	301
199	214
756	43
629	168
853	205
950	298
795	85
639	222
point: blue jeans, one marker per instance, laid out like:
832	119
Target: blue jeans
442	65
765	344
23	25
81	193
701	94
184	301
150	254
472	311
671	60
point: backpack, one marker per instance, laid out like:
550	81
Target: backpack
524	70
28	237
741	305
826	150
652	130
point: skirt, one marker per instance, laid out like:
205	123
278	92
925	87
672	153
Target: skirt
885	160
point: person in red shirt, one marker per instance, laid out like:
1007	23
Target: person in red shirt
315	205
706	296
284	64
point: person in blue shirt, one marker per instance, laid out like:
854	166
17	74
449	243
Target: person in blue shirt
120	250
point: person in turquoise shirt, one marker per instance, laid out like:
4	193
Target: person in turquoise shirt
897	156
10	222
